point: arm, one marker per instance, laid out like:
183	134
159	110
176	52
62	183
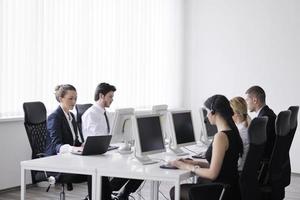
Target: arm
203	164
54	133
220	145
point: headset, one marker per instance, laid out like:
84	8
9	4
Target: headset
212	110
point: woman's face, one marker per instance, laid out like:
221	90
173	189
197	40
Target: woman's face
210	117
69	100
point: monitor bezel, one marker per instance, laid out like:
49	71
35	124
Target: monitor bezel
137	136
173	133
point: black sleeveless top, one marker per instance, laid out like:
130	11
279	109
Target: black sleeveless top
229	170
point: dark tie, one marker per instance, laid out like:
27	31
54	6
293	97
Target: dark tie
76	142
107	123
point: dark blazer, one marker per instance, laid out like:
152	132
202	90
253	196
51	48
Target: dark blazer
266	111
59	132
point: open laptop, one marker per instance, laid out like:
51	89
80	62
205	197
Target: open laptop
94	145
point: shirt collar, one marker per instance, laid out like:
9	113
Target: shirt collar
102	110
67	115
257	113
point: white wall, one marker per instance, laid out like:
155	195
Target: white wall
14	147
232	45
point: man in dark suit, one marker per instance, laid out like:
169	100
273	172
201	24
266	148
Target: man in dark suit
256	101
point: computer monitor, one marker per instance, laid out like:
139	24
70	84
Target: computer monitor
207	130
162	110
122	129
182	130
148	137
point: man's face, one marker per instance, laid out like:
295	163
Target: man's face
251	102
107	99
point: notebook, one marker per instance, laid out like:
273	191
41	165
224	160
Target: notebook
94	145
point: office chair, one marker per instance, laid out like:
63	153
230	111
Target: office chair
272	186
35	122
207	191
293	126
249	185
80	109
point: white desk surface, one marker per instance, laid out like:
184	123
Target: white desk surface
110	164
65	163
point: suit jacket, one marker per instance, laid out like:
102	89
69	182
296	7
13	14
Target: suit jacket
266	111
59	132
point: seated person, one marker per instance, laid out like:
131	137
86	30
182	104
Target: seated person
256	102
95	122
63	135
222	154
242	121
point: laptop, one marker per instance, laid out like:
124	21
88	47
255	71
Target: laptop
94	145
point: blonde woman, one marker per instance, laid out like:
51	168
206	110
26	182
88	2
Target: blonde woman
242	121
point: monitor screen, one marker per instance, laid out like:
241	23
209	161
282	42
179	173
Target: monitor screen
183	127
150	134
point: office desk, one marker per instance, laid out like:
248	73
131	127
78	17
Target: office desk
65	163
110	164
126	166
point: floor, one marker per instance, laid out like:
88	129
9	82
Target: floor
80	191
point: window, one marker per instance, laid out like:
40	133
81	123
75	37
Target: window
135	45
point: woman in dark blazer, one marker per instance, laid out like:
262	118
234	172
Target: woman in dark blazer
63	135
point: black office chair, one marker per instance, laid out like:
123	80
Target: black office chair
35	122
35	119
249	185
207	191
293	126
80	109
273	187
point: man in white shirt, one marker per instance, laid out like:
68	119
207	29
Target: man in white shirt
95	122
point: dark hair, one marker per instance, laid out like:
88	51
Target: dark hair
258	92
103	88
221	105
61	90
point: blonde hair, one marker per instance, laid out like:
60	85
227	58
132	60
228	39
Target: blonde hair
239	106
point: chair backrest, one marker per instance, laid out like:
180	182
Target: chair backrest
81	108
293	122
209	191
281	147
35	122
286	177
257	138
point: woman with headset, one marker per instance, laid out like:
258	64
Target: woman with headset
222	155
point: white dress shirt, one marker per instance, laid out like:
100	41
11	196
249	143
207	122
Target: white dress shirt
66	147
243	130
94	122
